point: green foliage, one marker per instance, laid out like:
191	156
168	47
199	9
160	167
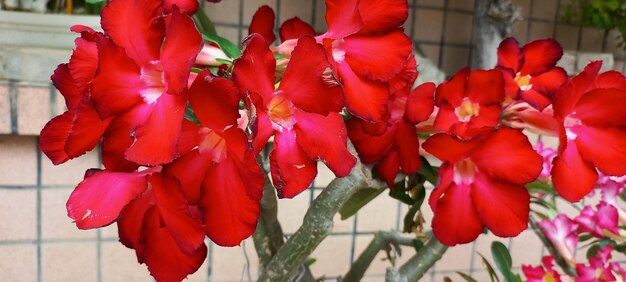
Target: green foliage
604	14
503	260
466	277
357	201
230	49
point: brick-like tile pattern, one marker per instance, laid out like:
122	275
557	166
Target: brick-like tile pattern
33	109
19	160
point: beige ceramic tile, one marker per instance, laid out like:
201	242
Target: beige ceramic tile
456	258
291	211
230	33
18	262
459	28
18	214
454	59
431	52
69	262
302	9
229	263
431	3
55	224
545	10
19	160
223	12
591	40
467	5
379	214
428	25
119	264
70	173
5	109
524	5
541	30
568	36
332	256
319	23
33	109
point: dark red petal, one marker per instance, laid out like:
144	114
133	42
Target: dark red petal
295	28
83	63
343	18
453	90
308	81
570	92
447	147
507	156
87	128
501	206
188	7
190	171
117	86
262	132
420	103
602	107
156	139
407	145
365	98
446	118
135	26
86	32
98	200
370	148
605	147
182	45
611	79
382	16
245	161
118	138
165	260
387	168
489	117
63	80
173	207
376	128
509	55
456	220
540	55
230	216
129	222
570	163
254	71
292	169
263	23
215	101
485	87
535	98
406	78
324	138
549	82
54	135
378	57
189	138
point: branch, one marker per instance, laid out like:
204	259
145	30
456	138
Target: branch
417	266
317	224
381	240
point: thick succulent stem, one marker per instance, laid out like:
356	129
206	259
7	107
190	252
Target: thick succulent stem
419	264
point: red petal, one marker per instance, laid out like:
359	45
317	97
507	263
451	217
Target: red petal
502	207
116	88
295	28
190	171
98	200
570	163
485	87
263	23
549	82
447	147
190	137
182	45
382	16
365	98
540	55
387	169
602	107
245	161
446	118
87	128
230	216
571	91
54	135
188	7
420	103
129	223
262	132
308	81
489	117
156	139
509	55
535	98
324	138
456	220
343	18
292	169
83	63
406	78
407	145
378	57
370	148
173	207
118	138
215	101
605	147
254	71
165	260
135	26
521	163
63	80
611	79
453	90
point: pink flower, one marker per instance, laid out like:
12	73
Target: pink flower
600	269
545	273
562	233
596	222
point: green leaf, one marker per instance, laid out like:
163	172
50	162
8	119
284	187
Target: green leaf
466	277
94	1
503	260
357	201
490	270
540	186
418	244
191	116
399	193
203	23
230	49
429	172
593	251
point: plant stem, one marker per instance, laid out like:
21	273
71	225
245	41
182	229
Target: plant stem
416	266
317	224
381	240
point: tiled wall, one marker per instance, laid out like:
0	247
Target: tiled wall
38	242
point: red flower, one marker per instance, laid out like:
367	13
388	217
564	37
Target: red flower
142	79
479	187
470	103
217	171
302	113
530	72
590	111
542	273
